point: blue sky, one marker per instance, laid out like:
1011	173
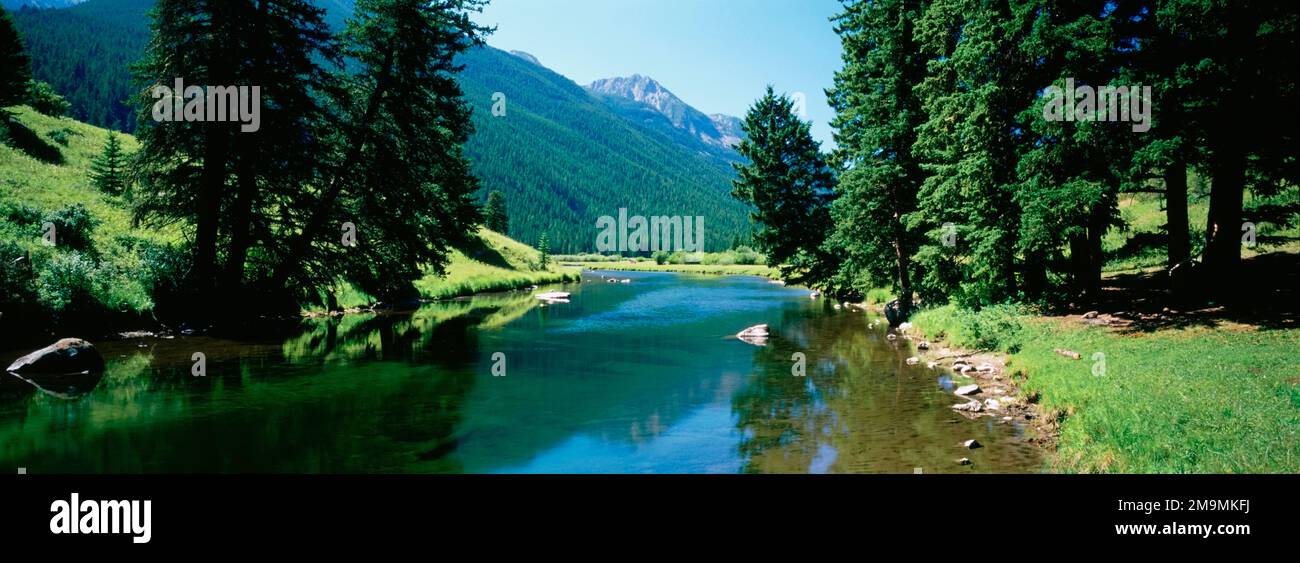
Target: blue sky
716	55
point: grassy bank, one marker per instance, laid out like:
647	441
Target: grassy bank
105	272
493	263
1198	399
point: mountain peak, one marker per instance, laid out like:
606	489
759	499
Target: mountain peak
717	130
527	57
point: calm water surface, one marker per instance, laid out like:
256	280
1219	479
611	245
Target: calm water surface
629	378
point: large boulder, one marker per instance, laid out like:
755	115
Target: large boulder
65	357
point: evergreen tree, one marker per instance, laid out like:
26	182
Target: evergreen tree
789	185
494	213
1071	171
973	93
234	187
401	174
108	171
544	248
15	66
1235	56
877	113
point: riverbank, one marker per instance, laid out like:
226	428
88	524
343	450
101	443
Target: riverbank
1219	397
490	263
702	269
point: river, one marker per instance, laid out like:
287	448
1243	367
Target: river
639	377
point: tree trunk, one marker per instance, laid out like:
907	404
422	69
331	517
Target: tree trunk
360	132
241	214
1180	248
213	178
1224	224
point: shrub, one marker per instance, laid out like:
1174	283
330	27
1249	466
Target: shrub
66	284
661	257
73	227
746	256
997	327
43	98
15	275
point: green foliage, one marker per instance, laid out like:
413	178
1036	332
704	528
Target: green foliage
996	328
16	283
108	172
877	114
15	65
42	97
788	184
73	227
494	213
84	52
561	158
544	253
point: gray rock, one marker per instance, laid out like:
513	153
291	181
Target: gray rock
968	389
972	444
963	461
65	357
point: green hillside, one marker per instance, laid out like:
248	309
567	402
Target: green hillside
45	170
561	156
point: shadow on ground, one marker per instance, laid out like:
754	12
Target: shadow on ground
1268	299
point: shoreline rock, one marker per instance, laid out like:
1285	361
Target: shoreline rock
66	357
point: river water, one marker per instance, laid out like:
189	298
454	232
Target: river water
639	377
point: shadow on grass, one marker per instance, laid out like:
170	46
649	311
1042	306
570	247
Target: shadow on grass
476	248
1268	298
18	136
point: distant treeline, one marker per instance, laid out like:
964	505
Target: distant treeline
962	175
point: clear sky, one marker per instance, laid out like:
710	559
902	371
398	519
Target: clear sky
716	55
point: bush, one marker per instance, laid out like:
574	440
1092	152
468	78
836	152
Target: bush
746	256
15	276
678	257
73	227
43	98
997	327
660	257
66	284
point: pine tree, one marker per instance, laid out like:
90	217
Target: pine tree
544	249
235	187
401	174
108	171
15	66
789	185
975	88
877	114
494	213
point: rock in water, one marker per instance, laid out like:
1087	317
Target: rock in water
894	314
67	356
756	335
968	389
553	297
972	444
